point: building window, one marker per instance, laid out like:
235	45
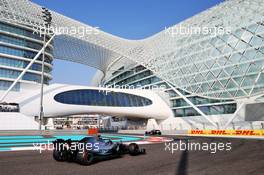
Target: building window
101	98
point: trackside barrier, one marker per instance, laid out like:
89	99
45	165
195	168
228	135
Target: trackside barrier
108	130
92	131
259	133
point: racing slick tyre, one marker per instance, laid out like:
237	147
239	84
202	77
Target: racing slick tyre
121	149
59	155
85	158
133	149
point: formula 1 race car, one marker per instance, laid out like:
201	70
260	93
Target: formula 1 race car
92	149
153	132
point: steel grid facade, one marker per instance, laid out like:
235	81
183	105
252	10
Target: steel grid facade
226	65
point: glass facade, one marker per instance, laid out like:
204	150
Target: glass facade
19	31
22	64
123	78
208	110
6	84
101	98
139	77
23	43
21	53
18	45
12	74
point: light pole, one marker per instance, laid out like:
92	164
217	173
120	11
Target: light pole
47	19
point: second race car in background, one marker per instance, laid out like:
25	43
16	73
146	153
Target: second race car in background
153	132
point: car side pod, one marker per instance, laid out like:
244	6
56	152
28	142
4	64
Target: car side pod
133	149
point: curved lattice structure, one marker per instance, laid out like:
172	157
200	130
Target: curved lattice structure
212	64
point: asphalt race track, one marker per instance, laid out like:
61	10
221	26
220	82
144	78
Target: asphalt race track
245	157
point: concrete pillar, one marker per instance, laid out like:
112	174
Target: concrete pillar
49	124
233	125
203	125
152	124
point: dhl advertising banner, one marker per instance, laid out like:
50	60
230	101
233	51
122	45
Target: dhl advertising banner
259	133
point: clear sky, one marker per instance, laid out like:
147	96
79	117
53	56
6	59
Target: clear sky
131	19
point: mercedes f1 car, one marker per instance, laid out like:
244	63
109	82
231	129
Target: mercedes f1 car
92	149
153	132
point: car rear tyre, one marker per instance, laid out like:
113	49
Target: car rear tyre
85	158
133	149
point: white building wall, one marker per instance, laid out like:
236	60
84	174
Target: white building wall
17	121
